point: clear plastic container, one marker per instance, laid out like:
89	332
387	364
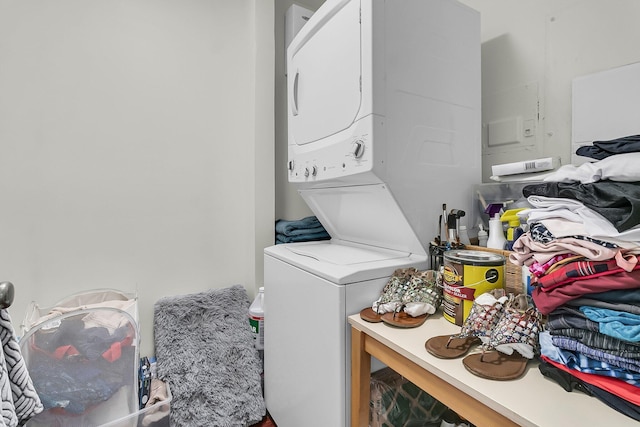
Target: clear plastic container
156	415
84	366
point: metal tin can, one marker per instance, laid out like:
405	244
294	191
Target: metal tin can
468	274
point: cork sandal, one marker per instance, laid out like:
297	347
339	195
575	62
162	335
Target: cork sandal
422	298
513	342
391	296
484	314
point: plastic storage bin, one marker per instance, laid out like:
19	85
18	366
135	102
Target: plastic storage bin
156	415
82	356
84	367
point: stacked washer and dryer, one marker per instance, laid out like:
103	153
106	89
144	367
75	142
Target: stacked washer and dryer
384	127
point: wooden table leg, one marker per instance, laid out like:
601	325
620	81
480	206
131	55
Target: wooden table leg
460	402
360	380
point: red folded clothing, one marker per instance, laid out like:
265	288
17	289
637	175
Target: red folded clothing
622	389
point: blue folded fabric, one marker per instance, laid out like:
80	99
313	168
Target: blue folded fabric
618	324
306	225
281	238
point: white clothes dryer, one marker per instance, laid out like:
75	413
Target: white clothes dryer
384	127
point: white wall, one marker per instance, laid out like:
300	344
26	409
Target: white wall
531	52
136	147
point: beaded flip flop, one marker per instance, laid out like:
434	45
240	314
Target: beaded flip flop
421	298
513	342
391	296
369	315
400	319
484	314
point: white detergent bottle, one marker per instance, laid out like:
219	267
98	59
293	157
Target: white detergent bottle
464	236
256	318
483	237
496	233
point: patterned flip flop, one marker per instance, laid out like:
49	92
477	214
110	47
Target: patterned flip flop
369	315
477	326
446	347
513	342
421	298
392	292
400	319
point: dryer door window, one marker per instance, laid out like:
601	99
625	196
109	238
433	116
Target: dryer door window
323	75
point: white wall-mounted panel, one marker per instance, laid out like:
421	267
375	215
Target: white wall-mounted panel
606	105
504	131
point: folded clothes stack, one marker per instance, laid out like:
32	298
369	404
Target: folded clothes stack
302	230
582	251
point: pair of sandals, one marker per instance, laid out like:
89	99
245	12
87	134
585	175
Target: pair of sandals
505	326
408	298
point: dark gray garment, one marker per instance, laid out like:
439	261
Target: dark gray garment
618	202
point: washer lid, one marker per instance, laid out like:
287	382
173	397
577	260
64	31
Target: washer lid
344	255
344	263
364	214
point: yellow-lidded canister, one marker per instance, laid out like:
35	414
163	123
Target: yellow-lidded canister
468	274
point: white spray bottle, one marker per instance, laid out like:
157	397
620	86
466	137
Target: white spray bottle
496	233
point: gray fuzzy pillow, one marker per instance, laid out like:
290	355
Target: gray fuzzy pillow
205	351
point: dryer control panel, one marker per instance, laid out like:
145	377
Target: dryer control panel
346	154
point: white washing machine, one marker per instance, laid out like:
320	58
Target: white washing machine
307	375
384	128
310	289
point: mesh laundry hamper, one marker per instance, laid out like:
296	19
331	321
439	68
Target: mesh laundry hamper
83	362
35	314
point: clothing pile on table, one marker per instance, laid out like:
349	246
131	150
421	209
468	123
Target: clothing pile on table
302	230
581	248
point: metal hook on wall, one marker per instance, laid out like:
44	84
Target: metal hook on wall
7	293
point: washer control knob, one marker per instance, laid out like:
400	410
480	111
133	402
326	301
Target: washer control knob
306	172
314	170
290	165
358	149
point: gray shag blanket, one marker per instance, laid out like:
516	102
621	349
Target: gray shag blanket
205	351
